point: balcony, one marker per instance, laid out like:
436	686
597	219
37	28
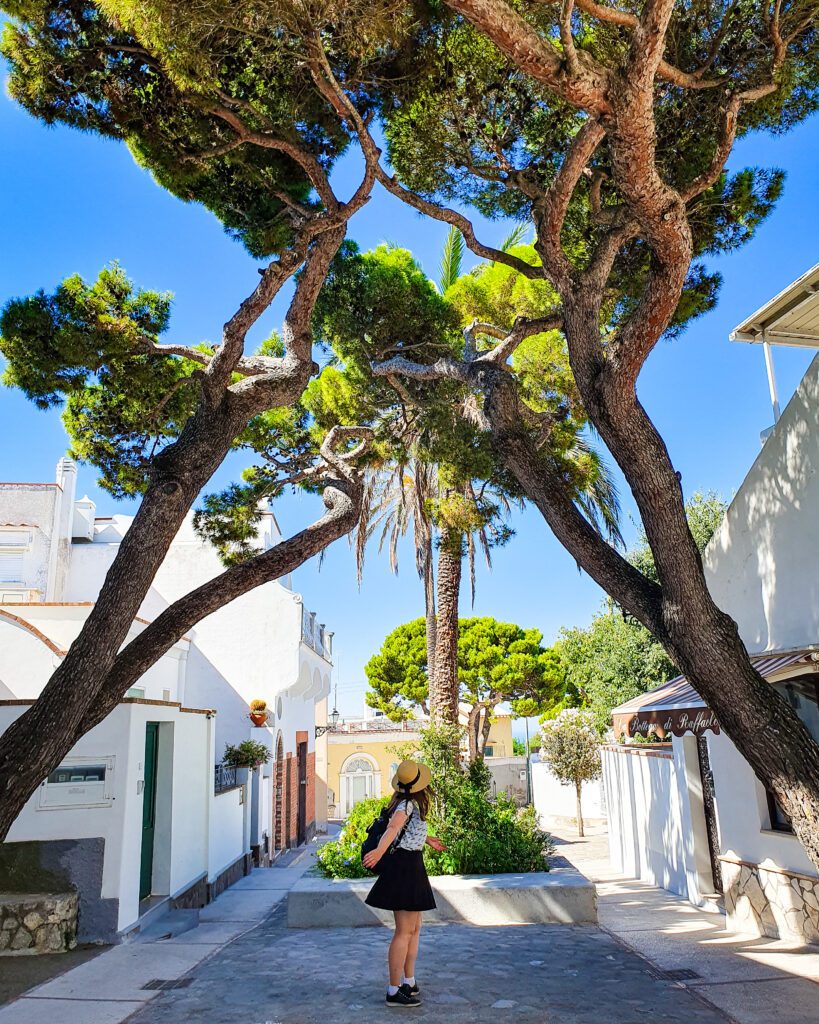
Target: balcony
227	777
315	635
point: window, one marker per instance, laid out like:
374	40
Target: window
78	782
488	751
135	691
802	693
13	547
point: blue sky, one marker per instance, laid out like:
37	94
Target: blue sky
73	202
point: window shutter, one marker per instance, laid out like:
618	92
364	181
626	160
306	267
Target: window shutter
11	566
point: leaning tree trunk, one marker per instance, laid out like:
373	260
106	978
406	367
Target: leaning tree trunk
578	787
42	736
702	640
444	692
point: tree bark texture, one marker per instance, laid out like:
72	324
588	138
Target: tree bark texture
444	692
429	611
578	787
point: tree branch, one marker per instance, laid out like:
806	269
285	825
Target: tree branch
342	499
585	88
458	220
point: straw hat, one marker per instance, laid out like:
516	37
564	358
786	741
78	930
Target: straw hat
411	777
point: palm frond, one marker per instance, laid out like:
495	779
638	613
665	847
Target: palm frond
451	259
515	236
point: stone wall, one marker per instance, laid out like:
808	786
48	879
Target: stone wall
34	923
766	901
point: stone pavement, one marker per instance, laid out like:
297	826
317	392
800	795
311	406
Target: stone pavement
243	966
119	981
527	974
753	980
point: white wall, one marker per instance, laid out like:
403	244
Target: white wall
554	800
121	737
762	565
227	830
742	813
645	817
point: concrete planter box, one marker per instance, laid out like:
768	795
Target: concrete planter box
561	896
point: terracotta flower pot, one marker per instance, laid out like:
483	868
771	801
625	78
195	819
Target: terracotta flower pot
258	717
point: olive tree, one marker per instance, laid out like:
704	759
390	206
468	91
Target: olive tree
570	745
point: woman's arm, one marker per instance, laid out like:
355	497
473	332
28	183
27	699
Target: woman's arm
397	822
435	843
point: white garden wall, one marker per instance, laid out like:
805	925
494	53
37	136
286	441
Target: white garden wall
554	800
645	816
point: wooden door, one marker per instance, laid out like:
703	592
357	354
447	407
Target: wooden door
301	823
148	810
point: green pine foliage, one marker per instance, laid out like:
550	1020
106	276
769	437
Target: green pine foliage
497	662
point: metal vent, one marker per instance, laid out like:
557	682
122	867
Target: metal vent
681	974
157	984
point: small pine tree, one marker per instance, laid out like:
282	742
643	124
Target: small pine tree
570	744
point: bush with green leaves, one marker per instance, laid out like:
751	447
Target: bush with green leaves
341	858
482	836
247	754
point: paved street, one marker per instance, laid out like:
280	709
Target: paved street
540	974
242	965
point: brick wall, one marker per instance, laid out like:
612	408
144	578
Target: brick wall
286	808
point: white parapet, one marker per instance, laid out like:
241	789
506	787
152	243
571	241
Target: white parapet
561	896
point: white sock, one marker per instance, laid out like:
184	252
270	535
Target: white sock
409	981
391	990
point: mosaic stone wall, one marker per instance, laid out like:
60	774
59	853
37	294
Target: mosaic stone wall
32	923
773	903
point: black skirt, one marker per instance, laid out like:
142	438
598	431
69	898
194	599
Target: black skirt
403	883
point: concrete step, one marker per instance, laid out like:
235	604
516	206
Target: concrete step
562	896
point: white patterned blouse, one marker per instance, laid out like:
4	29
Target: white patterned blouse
415	836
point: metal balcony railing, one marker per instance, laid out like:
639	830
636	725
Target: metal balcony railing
227	777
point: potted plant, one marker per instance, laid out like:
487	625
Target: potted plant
247	754
258	712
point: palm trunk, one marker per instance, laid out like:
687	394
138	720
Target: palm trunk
444	692
429	610
578	791
473	731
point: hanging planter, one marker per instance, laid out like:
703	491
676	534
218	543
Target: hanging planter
258	712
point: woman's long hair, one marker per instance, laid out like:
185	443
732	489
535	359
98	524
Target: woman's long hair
422	798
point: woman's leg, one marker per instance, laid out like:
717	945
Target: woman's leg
412	949
404	930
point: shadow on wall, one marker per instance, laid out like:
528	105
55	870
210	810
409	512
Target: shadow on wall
63	865
762	565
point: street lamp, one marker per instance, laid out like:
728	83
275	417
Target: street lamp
322	729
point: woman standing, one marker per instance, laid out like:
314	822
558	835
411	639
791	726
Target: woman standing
402	885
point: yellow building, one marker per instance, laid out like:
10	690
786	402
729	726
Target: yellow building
362	756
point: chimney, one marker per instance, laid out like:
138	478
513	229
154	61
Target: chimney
84	512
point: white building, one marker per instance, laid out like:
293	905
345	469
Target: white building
691	815
140	813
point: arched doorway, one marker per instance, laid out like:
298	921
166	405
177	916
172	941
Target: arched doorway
360	780
279	837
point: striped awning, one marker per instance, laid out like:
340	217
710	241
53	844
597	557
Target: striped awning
677	708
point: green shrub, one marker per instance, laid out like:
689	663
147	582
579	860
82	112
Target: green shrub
341	858
483	836
248	754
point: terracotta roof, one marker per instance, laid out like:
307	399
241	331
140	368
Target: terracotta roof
679	693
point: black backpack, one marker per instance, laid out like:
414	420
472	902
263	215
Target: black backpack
375	833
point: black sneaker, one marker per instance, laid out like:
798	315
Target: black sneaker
412	990
403	998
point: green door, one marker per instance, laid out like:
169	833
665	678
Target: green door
148	810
